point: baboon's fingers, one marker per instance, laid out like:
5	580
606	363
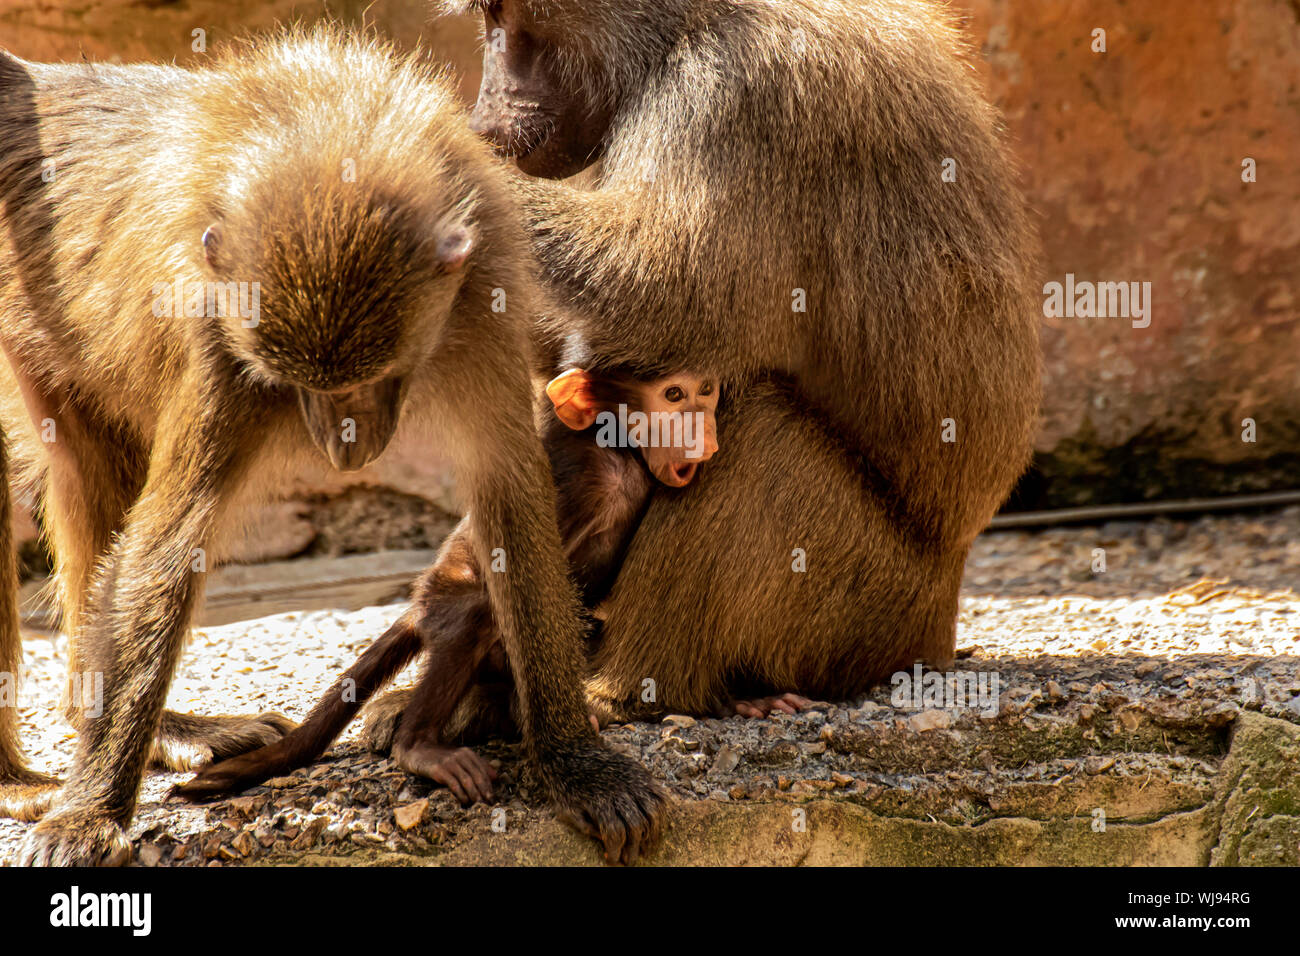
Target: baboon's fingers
467	775
481	772
644	820
447	775
636	827
613	834
580	822
605	795
474	790
477	783
764	706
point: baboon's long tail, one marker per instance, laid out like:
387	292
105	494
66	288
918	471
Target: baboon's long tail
375	668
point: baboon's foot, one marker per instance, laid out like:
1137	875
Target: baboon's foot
25	794
462	771
382	717
606	796
189	741
762	706
75	837
603	711
223	778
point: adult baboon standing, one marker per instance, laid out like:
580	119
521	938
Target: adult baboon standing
208	277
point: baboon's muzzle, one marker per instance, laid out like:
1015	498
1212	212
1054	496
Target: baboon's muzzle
352	428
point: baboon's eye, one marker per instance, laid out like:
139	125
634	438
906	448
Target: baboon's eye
706	388
674	394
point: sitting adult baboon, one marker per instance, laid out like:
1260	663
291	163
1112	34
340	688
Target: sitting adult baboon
811	197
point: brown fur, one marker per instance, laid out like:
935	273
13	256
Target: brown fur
167	426
601	495
751	148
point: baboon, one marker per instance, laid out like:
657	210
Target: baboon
814	200
608	436
208	277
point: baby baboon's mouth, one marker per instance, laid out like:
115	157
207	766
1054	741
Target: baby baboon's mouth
681	473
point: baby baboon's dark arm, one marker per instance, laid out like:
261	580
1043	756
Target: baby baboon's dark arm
449	600
380	662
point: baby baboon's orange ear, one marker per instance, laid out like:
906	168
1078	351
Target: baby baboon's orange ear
571	394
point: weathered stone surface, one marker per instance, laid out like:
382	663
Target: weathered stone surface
1259	795
1125	723
1133	162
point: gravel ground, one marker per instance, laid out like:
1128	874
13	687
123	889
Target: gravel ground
1189	621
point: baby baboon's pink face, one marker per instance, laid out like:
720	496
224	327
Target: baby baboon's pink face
684	446
672	420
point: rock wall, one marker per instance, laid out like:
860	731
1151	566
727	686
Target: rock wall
1167	158
1134	160
123	31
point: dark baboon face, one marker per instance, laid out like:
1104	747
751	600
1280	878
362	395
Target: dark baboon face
339	308
555	73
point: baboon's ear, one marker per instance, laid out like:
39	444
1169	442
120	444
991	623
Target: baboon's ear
455	244
575	404
212	244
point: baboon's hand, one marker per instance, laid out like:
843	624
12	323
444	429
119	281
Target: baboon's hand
75	838
606	796
762	706
462	771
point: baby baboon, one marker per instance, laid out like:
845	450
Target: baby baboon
206	278
811	198
592	431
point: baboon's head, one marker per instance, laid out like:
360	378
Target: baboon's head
557	72
343	290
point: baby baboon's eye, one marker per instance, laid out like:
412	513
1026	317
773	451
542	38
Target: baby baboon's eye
706	388
674	393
